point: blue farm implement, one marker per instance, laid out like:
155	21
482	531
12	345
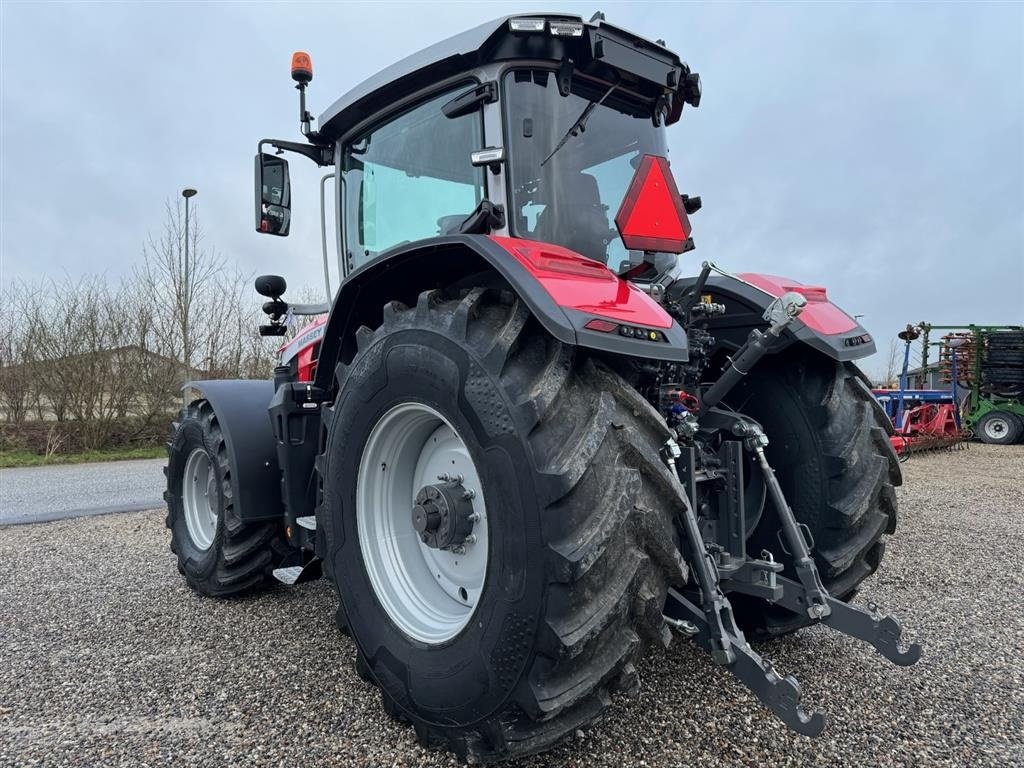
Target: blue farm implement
984	368
930	419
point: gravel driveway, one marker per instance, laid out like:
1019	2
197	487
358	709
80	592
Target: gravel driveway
107	659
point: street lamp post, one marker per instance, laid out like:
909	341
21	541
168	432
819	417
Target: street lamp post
187	193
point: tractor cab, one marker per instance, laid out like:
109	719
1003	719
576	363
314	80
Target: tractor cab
528	127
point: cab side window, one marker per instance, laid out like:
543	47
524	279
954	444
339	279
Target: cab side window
411	178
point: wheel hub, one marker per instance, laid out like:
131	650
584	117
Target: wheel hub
443	516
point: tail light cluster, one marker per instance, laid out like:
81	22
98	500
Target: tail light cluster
630	331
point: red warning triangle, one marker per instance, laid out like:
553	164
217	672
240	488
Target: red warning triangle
652	217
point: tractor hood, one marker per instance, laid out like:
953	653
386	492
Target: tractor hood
595	47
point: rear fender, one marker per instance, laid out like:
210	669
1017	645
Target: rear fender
241	410
822	325
562	289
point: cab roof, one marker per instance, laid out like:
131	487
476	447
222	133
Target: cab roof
600	46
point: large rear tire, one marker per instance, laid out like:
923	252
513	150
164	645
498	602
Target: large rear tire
829	444
216	558
579	508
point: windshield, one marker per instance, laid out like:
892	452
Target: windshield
571	200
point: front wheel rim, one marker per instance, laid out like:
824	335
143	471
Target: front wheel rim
199	499
430	594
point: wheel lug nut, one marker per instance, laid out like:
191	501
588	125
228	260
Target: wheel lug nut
468	494
458	550
444	477
474	518
470	539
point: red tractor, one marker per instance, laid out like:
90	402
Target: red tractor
523	446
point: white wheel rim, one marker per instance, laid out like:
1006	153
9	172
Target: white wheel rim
429	593
996	427
199	498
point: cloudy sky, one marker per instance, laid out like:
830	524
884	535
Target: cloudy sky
877	149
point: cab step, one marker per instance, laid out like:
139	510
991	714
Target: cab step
288	575
298	568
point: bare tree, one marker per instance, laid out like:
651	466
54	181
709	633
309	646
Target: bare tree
892	364
157	381
16	385
84	355
183	289
204	315
104	354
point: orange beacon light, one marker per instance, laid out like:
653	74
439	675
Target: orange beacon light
302	67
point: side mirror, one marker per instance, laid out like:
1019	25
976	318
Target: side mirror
273	195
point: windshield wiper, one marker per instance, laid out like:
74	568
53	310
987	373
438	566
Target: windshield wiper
579	126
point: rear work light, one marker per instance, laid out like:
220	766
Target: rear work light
526	25
557	27
566	28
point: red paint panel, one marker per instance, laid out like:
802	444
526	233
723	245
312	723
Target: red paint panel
579	283
652	216
303	346
306	362
819	315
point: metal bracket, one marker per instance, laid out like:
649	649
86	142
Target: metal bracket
755	577
780	694
882	632
321	154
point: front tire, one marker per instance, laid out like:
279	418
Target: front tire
216	558
581	545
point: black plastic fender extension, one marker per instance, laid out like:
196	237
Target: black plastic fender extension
241	410
452	260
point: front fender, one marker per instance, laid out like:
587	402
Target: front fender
240	406
822	325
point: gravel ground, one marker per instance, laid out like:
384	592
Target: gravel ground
36	494
107	659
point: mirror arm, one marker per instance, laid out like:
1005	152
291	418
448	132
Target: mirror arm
469	101
310	309
321	154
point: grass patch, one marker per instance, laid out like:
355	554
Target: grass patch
30	459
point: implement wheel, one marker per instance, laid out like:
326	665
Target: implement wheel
497	523
998	428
